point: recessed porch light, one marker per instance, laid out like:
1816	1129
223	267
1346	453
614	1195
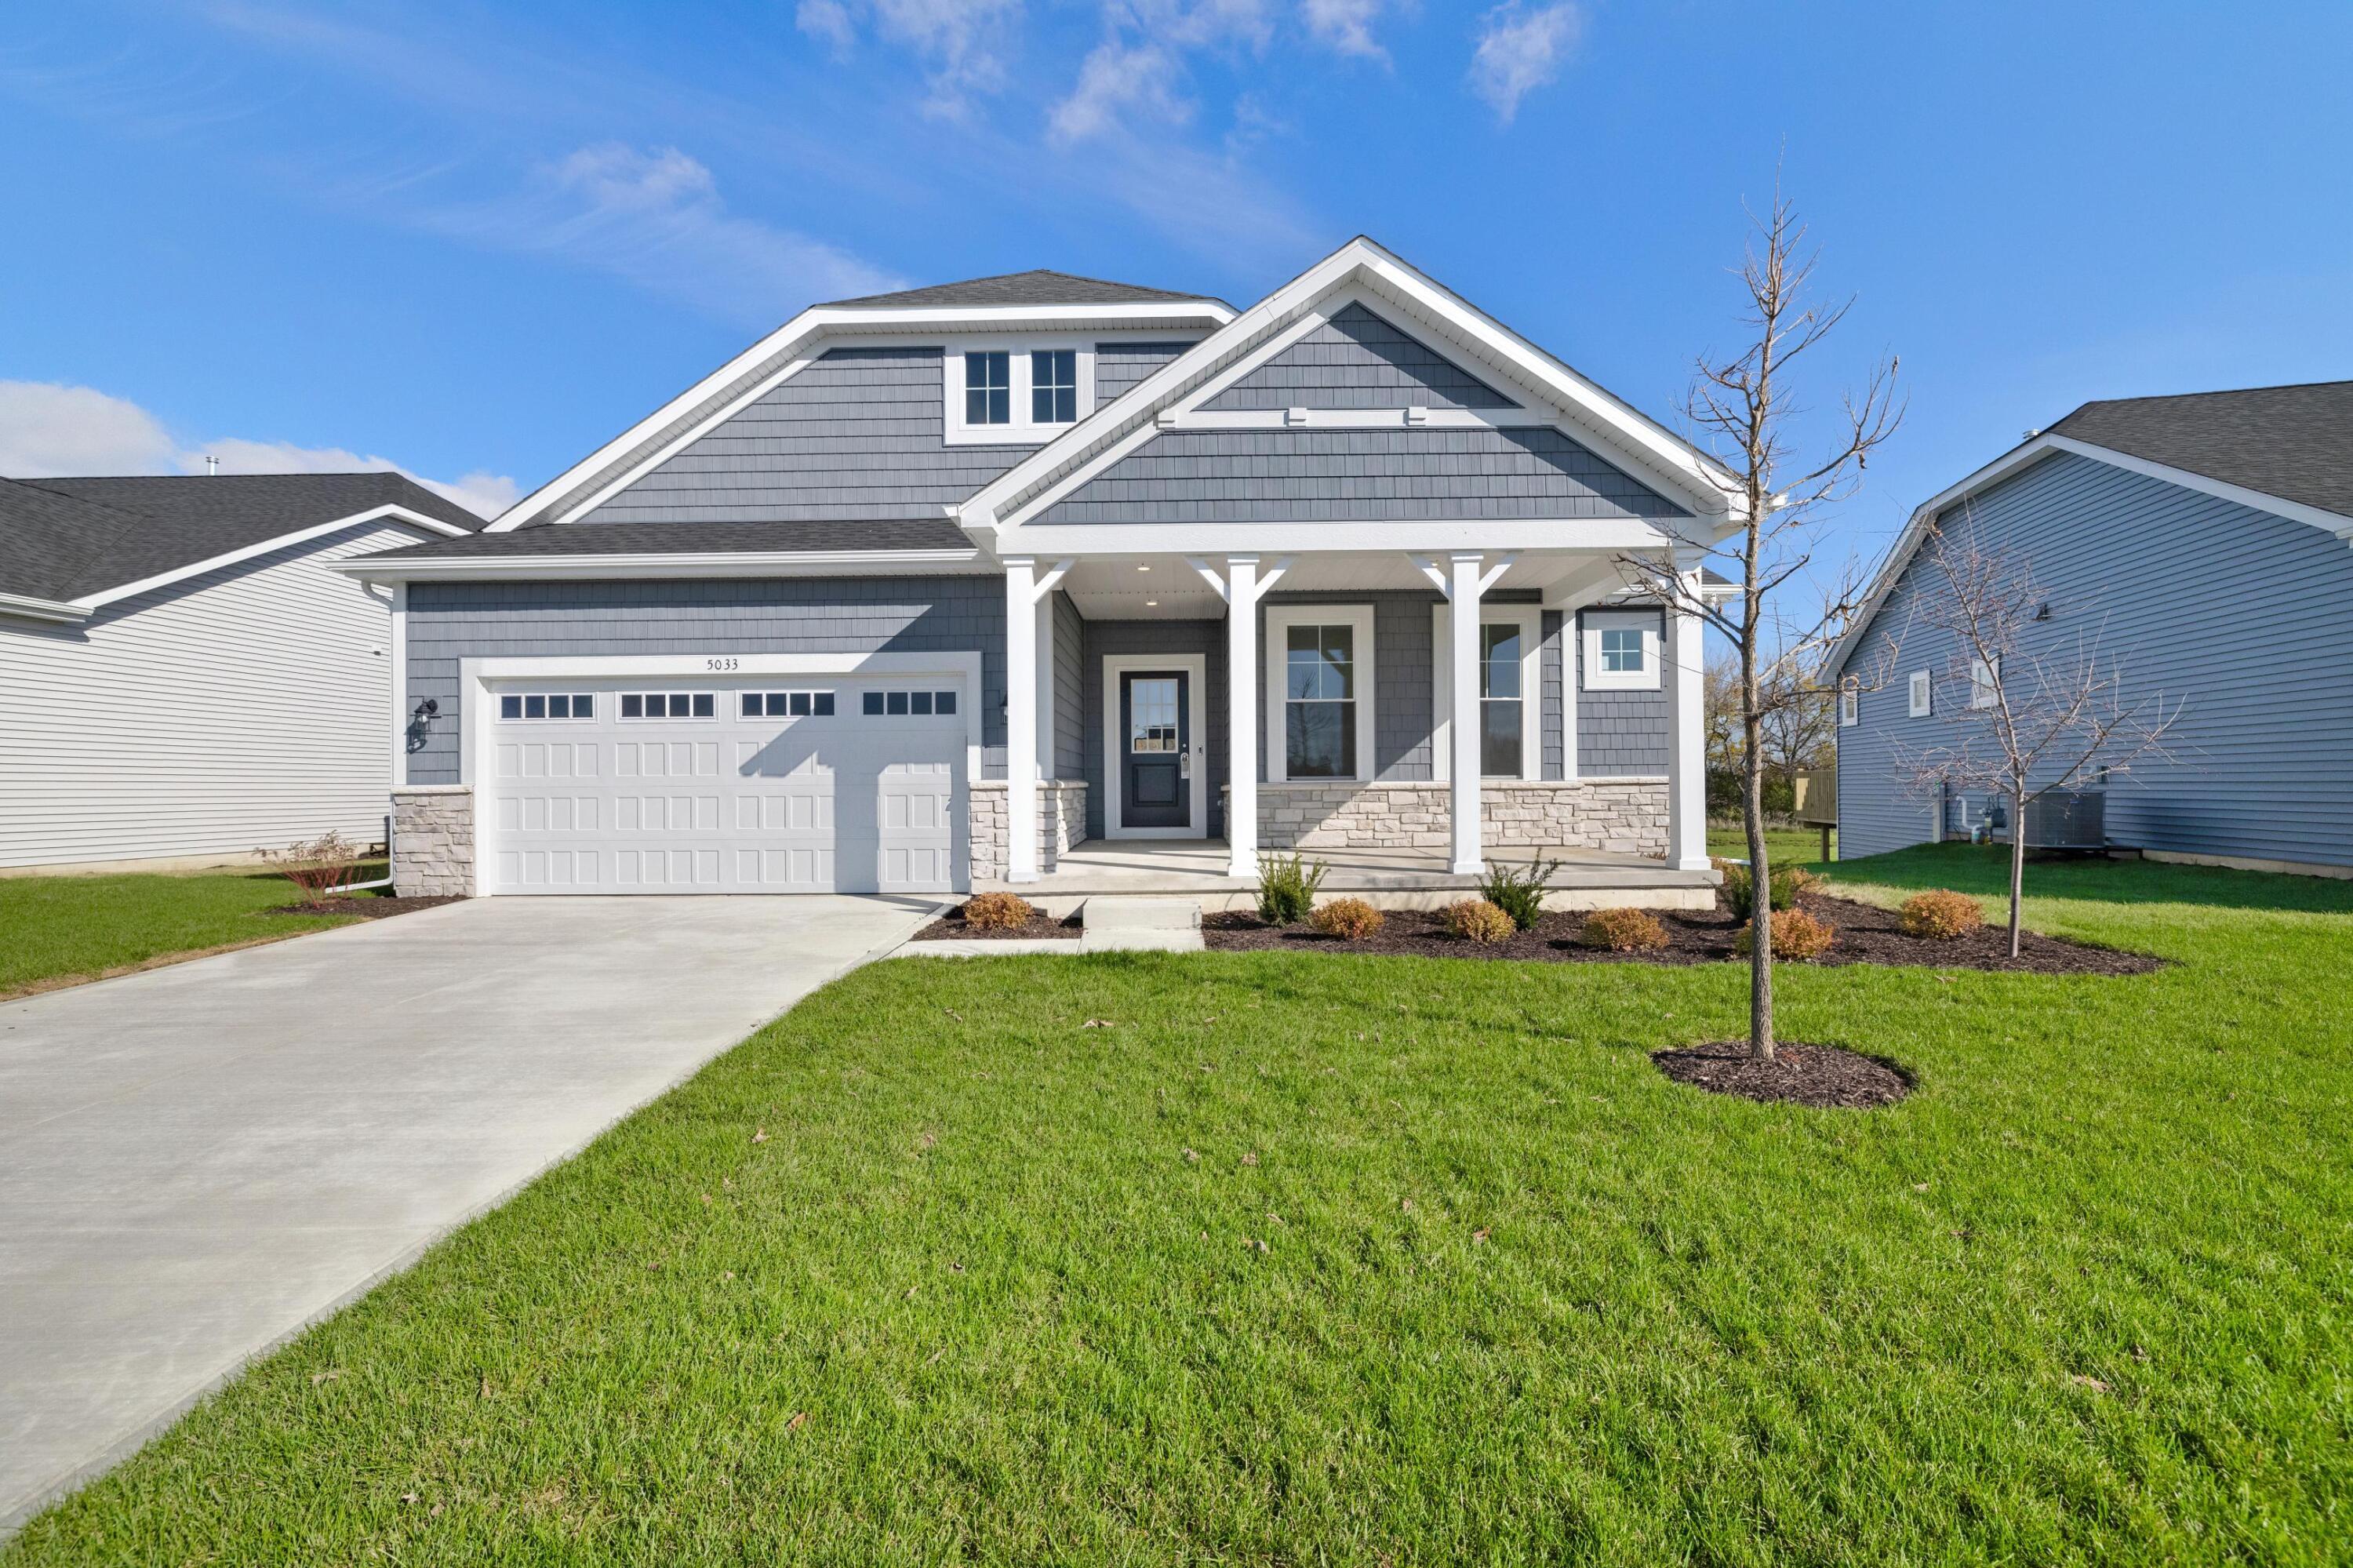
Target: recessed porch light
1143	568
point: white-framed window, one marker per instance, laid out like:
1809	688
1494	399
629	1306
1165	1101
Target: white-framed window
904	705
1623	650
1511	684
547	705
1849	704
670	704
1319	692
1922	699
1010	391
1984	690
788	704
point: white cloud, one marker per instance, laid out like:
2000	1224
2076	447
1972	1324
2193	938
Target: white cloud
1346	25
1521	50
655	218
1118	86
964	44
48	430
828	20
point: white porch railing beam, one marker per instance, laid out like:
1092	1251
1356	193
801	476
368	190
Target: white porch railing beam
1021	686
1468	584
1686	731
1241	589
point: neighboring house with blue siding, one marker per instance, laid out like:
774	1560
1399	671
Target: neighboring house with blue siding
2205	544
924	590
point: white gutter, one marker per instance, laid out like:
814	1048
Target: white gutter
696	564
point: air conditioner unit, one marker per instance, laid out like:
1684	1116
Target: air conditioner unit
2060	820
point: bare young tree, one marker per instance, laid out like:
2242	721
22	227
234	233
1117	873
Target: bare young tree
2040	713
1743	408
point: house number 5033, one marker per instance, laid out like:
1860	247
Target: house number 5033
720	665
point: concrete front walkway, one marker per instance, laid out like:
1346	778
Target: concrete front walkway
198	1160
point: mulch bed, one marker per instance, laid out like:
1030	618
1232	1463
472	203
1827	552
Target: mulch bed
1867	934
365	908
1824	1076
1038	927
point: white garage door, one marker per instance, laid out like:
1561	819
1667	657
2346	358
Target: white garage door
767	784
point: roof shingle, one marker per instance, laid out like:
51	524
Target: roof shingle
1038	287
2293	443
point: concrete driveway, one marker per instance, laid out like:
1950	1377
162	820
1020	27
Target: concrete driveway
196	1161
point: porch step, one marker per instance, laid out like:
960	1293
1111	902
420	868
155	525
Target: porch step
1140	925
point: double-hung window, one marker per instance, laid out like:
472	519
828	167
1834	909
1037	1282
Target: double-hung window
1319	682
988	388
1501	702
1504	686
1985	683
1921	697
1053	386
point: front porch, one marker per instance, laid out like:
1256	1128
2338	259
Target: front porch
1202	870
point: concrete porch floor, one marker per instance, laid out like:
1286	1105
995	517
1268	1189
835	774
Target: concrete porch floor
1390	879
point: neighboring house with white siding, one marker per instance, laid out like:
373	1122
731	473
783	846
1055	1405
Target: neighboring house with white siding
182	675
936	589
2205	542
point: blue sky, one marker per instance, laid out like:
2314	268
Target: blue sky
475	241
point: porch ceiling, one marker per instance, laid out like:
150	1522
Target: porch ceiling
1164	587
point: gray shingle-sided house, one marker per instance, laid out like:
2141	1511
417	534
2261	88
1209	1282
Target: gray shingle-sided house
181	675
2204	541
967	585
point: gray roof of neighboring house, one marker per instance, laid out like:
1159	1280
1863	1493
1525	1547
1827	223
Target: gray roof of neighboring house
2294	442
1033	288
61	539
691	539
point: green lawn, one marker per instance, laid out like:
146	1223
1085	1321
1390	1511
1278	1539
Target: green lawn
56	930
1309	1259
1788	846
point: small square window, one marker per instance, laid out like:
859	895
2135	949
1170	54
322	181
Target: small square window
919	702
944	701
559	706
794	704
510	707
751	705
821	703
873	703
988	388
896	701
535	706
583	706
706	704
1621	649
1054	387
633	705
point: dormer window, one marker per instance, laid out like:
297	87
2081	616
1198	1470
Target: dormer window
988	388
1053	386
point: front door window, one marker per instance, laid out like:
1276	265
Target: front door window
1156	767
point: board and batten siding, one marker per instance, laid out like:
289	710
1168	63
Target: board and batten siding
2239	615
450	622
245	708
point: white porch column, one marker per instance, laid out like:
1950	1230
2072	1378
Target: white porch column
1241	714
1687	737
1020	719
1467	584
1047	717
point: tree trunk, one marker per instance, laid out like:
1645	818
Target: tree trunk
1761	888
2017	862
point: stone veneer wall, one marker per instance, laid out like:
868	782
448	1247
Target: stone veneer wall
1621	816
433	840
1062	824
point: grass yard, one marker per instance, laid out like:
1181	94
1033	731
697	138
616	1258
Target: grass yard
56	930
1788	846
1270	1257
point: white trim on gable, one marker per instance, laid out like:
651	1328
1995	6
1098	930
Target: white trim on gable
800	341
2025	456
1358	272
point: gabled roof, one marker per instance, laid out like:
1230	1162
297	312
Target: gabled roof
2287	451
2294	442
1614	428
67	545
1037	287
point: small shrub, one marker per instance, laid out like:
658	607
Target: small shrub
998	911
1623	932
315	866
1797	935
1740	894
1941	916
1518	891
1287	888
1476	920
1352	919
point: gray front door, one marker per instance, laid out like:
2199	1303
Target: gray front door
1155	749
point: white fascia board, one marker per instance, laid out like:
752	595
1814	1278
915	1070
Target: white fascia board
30	609
1231	351
388	513
783	353
1530	537
2025	456
700	564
